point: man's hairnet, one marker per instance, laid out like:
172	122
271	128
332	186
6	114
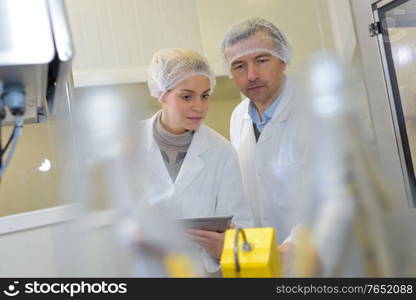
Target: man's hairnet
170	66
238	41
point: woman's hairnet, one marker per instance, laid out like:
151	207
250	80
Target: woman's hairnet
170	66
238	42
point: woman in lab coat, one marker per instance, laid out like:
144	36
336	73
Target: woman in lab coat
189	169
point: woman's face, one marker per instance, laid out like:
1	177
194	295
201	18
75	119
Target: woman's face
184	107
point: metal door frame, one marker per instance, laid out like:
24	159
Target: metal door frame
379	11
381	100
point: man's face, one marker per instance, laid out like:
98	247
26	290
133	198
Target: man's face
258	75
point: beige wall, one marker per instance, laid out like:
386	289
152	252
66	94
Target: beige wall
23	187
225	98
135	97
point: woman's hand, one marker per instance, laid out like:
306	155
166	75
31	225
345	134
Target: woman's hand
211	241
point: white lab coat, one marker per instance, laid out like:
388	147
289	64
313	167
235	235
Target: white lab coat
208	184
272	167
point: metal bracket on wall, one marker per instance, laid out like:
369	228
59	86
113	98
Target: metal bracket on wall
374	29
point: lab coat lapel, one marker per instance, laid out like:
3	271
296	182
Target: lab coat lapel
281	114
247	134
153	151
248	125
193	163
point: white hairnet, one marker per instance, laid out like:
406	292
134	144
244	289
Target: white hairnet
238	41
170	66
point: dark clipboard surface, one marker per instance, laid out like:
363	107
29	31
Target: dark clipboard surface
217	223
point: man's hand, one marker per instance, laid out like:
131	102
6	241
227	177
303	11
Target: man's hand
287	253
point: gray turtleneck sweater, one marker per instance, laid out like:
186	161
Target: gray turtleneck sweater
172	146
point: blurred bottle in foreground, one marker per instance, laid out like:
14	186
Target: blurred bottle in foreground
351	224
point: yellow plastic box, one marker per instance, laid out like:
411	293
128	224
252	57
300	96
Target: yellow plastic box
262	261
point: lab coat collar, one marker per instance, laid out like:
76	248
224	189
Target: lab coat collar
200	136
282	112
246	114
192	165
280	115
152	152
149	142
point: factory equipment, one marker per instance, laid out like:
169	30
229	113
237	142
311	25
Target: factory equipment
35	57
386	34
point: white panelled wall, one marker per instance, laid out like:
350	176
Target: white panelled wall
115	39
342	25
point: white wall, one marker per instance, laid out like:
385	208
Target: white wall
56	242
28	253
342	28
114	40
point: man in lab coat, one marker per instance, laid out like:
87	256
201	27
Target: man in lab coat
264	128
